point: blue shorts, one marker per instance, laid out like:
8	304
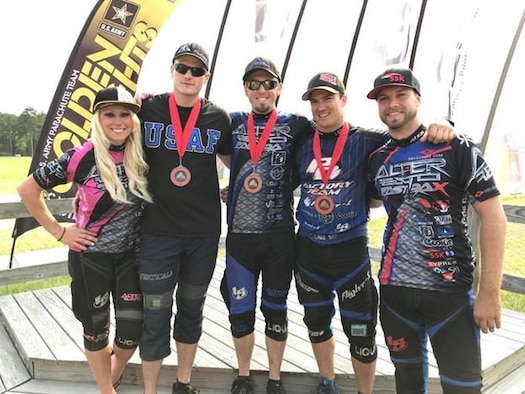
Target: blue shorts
168	263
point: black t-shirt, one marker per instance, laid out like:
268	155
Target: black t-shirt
192	210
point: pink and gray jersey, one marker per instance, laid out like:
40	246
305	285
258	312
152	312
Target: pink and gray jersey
116	224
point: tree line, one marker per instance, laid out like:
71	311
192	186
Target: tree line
19	134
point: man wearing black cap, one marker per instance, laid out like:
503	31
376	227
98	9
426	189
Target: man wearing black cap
260	240
180	231
331	244
427	265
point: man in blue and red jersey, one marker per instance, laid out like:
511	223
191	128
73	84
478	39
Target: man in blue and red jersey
331	243
426	274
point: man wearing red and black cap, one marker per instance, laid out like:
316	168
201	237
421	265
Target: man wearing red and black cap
427	264
331	245
395	77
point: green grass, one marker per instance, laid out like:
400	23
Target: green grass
38	238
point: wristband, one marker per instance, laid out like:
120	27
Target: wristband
62	235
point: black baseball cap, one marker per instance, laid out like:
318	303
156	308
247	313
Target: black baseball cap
324	81
115	96
192	49
394	77
261	63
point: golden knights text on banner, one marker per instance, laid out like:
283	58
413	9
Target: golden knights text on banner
110	50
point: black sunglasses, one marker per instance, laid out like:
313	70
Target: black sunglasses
269	84
195	71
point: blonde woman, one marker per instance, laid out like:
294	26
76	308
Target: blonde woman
110	174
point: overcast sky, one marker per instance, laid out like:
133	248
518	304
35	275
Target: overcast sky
37	38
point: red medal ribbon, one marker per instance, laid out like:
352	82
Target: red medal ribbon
182	136
338	150
256	149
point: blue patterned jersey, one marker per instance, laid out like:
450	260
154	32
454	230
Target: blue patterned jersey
270	209
347	186
426	190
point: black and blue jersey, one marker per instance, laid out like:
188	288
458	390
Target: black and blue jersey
426	190
347	186
270	209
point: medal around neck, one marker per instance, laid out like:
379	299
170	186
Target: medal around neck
324	205
253	183
180	176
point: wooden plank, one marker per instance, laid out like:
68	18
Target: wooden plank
24	334
59	343
35	272
63	315
12	370
12	210
46	386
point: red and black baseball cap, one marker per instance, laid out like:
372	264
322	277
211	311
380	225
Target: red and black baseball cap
324	81
394	77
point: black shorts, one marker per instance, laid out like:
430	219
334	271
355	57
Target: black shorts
343	269
410	316
96	278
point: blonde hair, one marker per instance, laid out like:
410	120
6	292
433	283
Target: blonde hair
134	163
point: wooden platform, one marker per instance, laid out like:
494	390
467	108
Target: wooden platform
42	351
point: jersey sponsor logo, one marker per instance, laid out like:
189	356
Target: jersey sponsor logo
438	243
313	169
154	133
419	176
278	141
443	219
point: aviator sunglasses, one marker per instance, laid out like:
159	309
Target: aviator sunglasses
195	71
269	84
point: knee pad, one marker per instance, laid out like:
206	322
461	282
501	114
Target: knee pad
365	353
317	320
276	321
188	319
158	301
96	331
128	328
242	324
278	331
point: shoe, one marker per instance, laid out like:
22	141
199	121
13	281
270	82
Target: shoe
181	388
242	385
326	386
275	387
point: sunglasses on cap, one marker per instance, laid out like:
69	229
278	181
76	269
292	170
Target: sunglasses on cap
195	71
269	84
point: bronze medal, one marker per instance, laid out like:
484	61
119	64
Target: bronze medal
253	183
180	176
324	205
